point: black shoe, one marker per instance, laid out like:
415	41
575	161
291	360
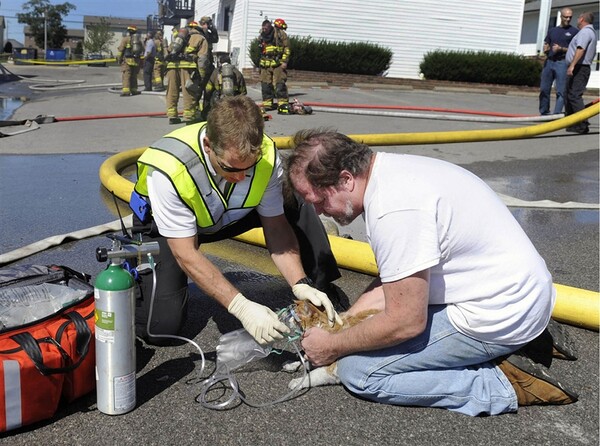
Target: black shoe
135	93
562	346
174	121
577	129
125	94
147	89
554	342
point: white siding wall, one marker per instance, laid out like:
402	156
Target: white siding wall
410	28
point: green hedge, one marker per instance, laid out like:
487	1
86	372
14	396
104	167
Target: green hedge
333	57
481	67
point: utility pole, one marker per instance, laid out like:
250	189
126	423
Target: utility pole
45	32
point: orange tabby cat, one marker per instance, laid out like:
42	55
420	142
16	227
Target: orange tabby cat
311	316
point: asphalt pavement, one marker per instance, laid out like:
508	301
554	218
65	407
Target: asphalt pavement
49	185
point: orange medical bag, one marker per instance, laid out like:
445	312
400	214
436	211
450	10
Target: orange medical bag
44	359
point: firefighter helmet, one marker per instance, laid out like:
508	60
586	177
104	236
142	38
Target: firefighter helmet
205	19
132	29
193	24
280	23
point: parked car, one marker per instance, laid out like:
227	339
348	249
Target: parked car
96	56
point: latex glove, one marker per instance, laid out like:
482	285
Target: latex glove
261	322
304	291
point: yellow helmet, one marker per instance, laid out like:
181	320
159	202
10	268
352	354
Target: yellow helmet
132	29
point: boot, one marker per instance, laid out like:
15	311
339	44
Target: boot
562	345
533	383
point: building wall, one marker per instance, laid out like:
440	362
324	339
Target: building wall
410	28
73	37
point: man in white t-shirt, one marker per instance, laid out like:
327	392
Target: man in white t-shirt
208	182
461	287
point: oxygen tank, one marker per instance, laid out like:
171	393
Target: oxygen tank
228	88
179	42
136	45
115	340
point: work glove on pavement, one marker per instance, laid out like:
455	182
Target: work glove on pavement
261	322
304	291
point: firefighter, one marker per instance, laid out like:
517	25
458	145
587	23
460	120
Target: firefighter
195	67
209	31
173	72
226	80
129	57
159	63
275	54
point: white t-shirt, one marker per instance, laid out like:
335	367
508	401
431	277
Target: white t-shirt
174	219
425	213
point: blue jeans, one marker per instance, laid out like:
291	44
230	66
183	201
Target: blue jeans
439	368
553	71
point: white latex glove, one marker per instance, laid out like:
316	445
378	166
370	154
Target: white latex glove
261	322
319	299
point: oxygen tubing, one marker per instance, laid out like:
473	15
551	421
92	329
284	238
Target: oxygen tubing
573	305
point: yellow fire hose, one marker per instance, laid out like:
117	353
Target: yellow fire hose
573	306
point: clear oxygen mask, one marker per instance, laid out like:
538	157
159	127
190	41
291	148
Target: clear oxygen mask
238	347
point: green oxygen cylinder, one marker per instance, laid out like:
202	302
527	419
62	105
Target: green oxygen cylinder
115	340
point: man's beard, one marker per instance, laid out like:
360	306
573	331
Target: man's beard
348	216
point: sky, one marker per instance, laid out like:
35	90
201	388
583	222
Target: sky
130	9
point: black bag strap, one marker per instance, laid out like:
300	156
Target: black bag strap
84	334
31	346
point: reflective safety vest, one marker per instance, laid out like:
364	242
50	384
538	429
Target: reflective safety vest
179	156
276	52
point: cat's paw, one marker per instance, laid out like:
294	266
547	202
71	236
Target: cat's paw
299	383
322	376
292	366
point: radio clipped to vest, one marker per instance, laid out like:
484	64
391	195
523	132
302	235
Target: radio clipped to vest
140	207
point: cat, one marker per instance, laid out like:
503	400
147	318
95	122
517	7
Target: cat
308	316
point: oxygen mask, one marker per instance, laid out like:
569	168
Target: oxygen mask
238	347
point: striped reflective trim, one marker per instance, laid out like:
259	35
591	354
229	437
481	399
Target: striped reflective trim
179	156
12	394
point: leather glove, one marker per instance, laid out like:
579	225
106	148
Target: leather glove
261	322
304	291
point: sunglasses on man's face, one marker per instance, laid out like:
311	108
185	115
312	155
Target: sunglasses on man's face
230	169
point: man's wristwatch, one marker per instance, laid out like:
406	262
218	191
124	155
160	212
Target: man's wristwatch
305	281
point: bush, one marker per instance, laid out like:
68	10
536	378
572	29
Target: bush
481	67
333	57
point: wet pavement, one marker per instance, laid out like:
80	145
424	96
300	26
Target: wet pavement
49	185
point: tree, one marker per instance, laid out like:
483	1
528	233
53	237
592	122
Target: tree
34	18
99	38
78	52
